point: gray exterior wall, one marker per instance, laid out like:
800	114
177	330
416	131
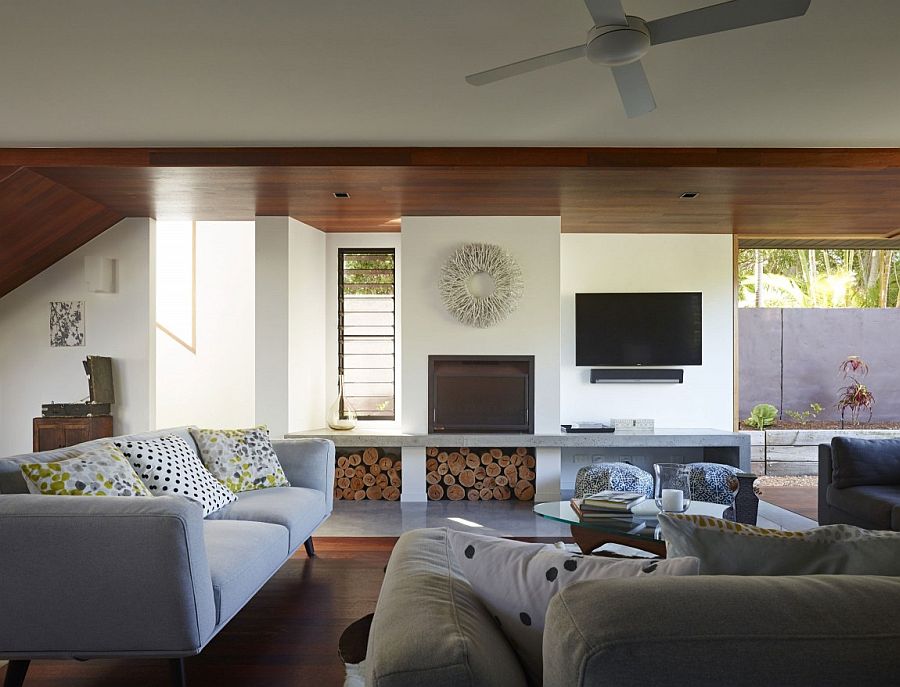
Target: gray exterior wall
789	357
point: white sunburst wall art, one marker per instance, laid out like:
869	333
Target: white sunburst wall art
66	323
481	284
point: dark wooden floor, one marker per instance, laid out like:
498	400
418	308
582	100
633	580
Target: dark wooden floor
287	636
803	500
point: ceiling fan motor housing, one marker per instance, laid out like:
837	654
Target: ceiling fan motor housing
616	45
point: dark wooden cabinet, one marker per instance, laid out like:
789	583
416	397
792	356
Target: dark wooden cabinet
57	432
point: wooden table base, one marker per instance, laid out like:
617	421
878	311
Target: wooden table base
589	539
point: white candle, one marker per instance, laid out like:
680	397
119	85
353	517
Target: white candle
672	500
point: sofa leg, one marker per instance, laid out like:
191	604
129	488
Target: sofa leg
176	669
15	673
310	549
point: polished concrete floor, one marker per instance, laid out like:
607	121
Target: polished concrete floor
496	518
393	518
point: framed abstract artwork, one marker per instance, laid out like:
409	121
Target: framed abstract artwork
66	323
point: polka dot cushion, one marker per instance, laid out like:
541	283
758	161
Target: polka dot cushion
169	466
515	581
616	476
713	482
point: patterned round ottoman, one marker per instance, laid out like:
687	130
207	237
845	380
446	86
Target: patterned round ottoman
618	476
713	482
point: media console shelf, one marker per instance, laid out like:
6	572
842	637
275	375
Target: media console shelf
709	445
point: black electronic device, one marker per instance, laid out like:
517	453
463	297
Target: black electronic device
638	329
637	375
587	428
74	409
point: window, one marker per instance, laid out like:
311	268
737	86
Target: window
176	282
366	344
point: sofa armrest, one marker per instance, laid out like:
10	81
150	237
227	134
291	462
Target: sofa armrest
724	630
308	463
90	576
825	473
430	628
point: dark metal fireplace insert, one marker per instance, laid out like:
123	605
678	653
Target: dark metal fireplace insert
481	393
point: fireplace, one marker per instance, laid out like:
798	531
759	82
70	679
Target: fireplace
481	393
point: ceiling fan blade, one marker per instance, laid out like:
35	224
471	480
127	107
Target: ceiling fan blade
607	12
525	66
723	17
634	89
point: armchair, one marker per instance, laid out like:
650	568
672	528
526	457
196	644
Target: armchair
859	483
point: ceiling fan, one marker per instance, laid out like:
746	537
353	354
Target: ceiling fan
619	41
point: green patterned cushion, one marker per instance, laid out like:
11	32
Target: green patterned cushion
241	459
100	471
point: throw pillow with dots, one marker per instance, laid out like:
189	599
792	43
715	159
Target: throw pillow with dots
532	575
168	466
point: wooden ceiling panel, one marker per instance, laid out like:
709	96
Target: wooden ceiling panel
41	222
742	200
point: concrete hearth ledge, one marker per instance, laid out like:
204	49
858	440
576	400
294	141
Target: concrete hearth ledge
725	447
663	438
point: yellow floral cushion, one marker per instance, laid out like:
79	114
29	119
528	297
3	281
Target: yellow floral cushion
99	471
241	459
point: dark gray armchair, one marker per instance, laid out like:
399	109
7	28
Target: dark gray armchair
859	483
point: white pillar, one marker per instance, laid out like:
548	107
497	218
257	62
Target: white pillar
549	473
413	474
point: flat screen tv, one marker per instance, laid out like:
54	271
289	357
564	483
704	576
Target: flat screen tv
632	329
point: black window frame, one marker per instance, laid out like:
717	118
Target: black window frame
340	324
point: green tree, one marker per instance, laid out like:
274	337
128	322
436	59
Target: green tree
831	278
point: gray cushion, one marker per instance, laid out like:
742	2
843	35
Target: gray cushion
12	482
871	505
859	462
430	628
242	557
298	509
738	631
728	548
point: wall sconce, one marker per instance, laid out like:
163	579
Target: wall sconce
100	274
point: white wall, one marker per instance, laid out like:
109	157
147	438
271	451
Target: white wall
645	263
533	329
116	325
290	336
213	386
307	338
333	242
272	303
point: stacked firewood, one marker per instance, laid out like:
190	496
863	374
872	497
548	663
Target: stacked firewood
372	474
479	475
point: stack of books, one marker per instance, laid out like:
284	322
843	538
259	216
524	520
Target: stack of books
607	504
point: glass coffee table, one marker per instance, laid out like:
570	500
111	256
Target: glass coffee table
640	531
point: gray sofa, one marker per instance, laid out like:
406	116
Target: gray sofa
430	629
94	577
859	483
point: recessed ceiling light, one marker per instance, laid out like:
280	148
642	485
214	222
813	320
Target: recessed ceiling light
341	194
689	195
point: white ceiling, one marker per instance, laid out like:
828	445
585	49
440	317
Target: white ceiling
390	72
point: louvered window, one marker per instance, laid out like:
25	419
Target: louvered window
366	343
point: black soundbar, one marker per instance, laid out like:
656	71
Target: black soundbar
636	375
